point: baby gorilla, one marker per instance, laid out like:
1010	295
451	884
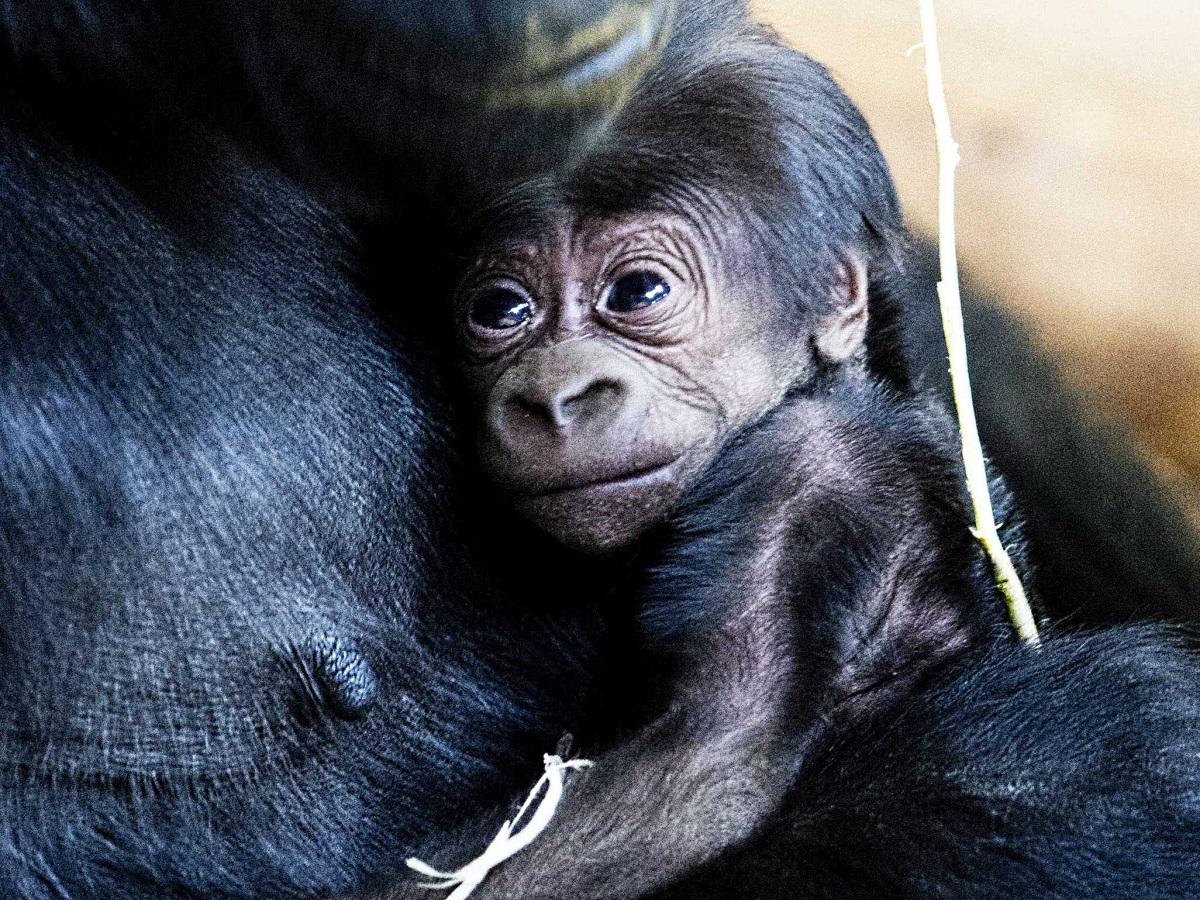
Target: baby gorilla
818	564
684	345
614	358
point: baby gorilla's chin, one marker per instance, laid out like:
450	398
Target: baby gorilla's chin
609	514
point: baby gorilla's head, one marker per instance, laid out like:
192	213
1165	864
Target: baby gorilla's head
622	318
612	358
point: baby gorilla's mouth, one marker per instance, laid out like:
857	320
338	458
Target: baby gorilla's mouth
606	508
648	475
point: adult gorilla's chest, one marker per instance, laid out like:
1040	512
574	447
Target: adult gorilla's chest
226	573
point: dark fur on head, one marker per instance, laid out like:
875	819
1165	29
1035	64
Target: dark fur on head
733	127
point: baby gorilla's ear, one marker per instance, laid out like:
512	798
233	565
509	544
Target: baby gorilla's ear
842	332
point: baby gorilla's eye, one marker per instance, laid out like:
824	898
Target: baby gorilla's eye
635	291
500	308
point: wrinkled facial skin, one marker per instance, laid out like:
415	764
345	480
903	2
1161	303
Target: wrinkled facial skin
610	360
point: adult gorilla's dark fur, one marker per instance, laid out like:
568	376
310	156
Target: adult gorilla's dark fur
243	648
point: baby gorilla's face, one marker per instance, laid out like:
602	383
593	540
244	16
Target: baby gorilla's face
611	360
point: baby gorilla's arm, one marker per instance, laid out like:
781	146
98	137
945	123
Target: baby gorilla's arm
832	594
700	778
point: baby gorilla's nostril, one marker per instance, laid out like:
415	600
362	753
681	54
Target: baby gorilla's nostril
534	409
573	404
593	400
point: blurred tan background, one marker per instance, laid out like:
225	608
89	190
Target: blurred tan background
1079	190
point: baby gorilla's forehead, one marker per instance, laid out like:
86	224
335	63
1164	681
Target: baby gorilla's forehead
566	240
665	232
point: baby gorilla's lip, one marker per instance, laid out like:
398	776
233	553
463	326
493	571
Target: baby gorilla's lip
606	508
648	475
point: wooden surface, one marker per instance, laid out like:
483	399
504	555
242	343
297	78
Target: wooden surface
1079	191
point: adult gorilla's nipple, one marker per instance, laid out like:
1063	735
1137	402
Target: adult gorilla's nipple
336	678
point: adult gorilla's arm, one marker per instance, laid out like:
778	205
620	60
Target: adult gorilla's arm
1067	772
964	794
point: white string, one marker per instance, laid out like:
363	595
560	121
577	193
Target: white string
506	844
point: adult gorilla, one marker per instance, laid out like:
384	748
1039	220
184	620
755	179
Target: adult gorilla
242	653
235	662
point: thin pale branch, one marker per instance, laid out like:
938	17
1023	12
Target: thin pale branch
1007	580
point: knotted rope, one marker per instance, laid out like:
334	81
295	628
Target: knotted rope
506	843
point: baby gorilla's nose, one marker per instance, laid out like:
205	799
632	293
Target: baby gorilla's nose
563	390
578	401
571	416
